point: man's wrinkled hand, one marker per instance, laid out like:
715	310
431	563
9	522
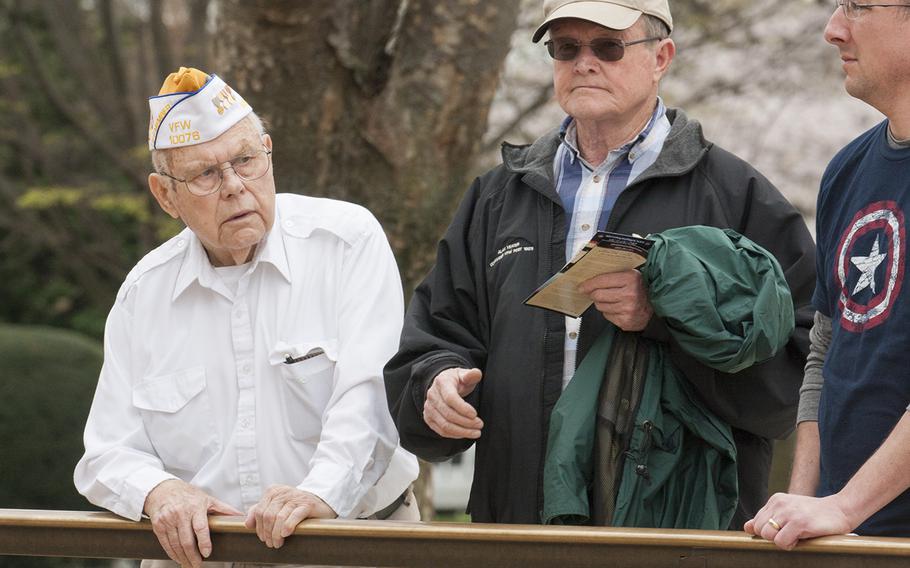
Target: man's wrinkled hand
179	514
621	297
281	509
445	410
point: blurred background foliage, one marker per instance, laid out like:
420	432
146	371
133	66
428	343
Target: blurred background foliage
74	211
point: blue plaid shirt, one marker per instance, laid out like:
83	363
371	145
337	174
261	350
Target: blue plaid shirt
589	192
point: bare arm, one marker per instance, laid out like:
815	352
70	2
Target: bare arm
805	473
883	477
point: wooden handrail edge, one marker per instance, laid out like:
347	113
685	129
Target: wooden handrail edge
416	531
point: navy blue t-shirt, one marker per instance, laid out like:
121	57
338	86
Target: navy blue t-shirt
862	248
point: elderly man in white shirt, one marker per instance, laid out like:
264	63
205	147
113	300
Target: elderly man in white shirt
243	357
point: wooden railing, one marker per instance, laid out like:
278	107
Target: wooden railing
389	543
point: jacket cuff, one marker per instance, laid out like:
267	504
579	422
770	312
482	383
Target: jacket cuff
424	372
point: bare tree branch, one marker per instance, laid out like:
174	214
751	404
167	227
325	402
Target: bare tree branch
198	47
161	46
123	93
541	99
62	105
67	26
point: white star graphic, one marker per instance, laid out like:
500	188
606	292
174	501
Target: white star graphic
867	265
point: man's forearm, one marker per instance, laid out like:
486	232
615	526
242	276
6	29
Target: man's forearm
805	472
883	477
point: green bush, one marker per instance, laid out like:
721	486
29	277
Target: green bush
47	380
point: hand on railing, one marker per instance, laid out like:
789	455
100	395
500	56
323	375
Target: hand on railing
179	514
281	509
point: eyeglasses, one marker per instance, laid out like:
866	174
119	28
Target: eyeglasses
605	48
248	167
853	10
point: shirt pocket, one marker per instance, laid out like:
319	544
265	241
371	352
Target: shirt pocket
177	413
307	380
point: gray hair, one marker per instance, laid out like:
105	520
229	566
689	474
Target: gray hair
655	27
161	159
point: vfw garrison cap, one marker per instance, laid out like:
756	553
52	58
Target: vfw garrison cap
193	107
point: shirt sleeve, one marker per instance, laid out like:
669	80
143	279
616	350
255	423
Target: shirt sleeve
811	391
119	467
358	437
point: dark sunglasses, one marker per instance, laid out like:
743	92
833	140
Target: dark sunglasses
605	48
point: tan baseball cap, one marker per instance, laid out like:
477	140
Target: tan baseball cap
613	14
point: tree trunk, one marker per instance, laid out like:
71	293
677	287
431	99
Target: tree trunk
379	102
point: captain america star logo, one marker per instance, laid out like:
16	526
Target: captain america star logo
870	266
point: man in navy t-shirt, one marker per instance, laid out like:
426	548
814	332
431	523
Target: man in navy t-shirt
851	471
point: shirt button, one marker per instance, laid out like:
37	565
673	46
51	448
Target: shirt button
596	179
181	243
246	368
245	423
573	335
288	223
585	227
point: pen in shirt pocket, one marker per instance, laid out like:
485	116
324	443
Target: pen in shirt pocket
288	360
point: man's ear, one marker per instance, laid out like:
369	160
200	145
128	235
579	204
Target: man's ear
161	189
267	141
666	51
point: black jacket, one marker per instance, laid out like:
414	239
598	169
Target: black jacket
509	236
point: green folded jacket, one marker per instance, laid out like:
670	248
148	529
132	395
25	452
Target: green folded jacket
629	442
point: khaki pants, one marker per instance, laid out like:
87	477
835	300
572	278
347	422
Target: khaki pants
408	511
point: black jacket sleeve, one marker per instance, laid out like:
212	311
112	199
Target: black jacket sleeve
444	327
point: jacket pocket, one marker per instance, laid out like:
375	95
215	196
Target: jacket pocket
178	418
307	373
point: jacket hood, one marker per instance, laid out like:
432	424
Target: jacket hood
683	149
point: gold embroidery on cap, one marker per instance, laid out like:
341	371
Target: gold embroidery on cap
186	136
153	125
224	100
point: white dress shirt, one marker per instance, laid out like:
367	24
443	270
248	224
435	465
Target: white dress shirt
199	382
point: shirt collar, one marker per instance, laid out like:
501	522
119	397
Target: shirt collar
274	251
197	267
568	133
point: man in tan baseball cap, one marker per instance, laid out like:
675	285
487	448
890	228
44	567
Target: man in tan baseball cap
478	366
